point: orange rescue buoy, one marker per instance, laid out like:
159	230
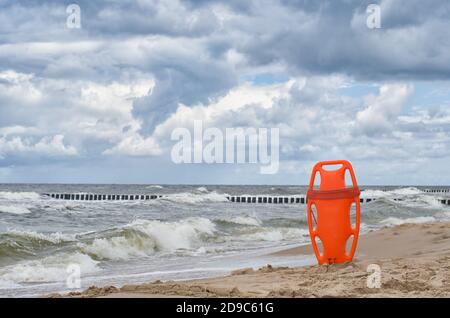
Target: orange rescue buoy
332	223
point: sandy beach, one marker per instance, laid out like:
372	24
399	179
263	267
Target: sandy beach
414	260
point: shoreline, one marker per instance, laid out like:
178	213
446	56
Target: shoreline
414	261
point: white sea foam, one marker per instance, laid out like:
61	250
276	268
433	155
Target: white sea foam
245	220
201	250
67	208
375	193
49	269
369	193
410	197
176	235
14	209
391	221
364	228
188	197
7	195
406	191
8	284
154	186
275	234
202	189
430	201
119	248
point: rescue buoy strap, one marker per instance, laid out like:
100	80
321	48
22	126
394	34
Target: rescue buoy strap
348	193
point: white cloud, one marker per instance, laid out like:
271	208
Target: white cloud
222	112
47	146
317	121
18	130
114	97
85	112
383	109
135	145
18	87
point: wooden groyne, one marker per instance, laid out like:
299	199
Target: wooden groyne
261	199
102	197
436	190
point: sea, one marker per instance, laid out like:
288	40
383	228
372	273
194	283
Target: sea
51	245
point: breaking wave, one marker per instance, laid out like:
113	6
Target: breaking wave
55	238
241	220
189	197
376	193
15	244
7	195
140	238
409	197
154	186
48	269
17	202
144	237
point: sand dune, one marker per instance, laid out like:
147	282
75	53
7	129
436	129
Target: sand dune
414	260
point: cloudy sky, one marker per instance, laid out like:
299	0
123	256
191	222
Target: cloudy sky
98	104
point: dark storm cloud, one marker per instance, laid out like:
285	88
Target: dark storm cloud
46	20
307	36
182	79
334	38
310	36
